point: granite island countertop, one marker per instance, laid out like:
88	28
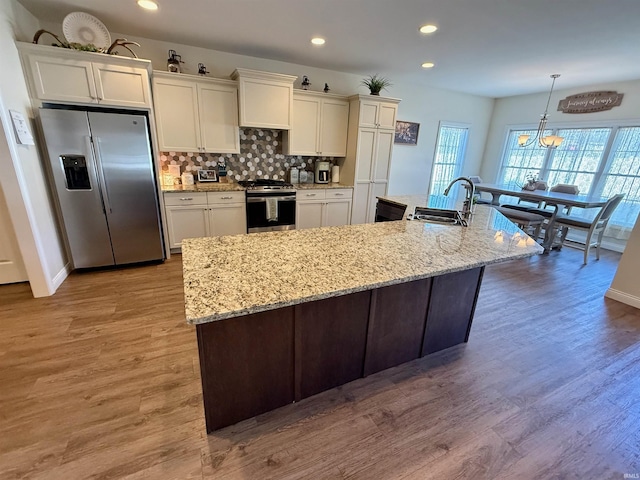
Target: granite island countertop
231	276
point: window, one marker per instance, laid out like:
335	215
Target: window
601	161
449	156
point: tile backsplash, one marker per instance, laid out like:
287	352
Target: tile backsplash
260	157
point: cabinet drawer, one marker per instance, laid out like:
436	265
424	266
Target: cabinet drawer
316	194
339	193
185	198
225	197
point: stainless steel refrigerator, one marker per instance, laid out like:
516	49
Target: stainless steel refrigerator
102	168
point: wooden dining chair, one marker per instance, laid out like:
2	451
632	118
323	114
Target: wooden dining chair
595	227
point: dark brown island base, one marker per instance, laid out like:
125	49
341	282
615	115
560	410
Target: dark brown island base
276	324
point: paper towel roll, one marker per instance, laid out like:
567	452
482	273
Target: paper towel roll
335	174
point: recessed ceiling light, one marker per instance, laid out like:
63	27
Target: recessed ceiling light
148	4
428	65
428	29
317	41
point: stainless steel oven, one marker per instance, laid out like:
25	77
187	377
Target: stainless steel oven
271	205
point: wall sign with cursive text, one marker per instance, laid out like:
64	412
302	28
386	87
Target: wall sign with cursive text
590	102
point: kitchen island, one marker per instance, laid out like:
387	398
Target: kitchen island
281	316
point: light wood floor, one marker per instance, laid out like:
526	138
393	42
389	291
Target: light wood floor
102	381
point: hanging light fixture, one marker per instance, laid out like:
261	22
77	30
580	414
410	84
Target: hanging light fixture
550	141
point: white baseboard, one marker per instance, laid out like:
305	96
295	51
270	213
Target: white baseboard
622	297
61	276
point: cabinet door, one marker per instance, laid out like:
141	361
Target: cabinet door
218	112
62	79
176	108
360	202
337	213
122	86
333	128
387	115
382	155
369	113
186	222
365	154
309	215
305	127
265	104
228	219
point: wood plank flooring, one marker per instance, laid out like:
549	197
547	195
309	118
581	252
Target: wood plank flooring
102	381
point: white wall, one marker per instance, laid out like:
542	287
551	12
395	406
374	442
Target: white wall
525	110
23	179
411	165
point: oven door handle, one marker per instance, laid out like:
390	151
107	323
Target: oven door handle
264	199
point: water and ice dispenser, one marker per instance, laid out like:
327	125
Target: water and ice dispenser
75	172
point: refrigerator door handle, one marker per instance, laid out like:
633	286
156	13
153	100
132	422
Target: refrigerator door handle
103	183
91	153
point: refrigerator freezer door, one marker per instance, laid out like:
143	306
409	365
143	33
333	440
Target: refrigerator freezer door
123	153
68	141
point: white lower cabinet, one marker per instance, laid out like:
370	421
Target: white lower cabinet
202	214
323	208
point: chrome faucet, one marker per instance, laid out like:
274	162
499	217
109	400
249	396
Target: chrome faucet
471	192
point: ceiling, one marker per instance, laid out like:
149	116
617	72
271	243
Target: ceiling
492	48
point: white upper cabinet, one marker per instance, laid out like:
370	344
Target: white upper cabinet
68	76
196	114
218	108
176	109
377	114
320	125
265	99
122	85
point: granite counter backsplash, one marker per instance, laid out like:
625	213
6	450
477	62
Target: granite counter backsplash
260	157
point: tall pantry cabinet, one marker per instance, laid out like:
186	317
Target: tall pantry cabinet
372	121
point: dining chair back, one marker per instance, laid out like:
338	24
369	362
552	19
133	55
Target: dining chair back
595	227
389	211
565	188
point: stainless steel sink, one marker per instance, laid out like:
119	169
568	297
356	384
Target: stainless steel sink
440	216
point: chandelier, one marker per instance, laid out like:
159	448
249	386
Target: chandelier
550	141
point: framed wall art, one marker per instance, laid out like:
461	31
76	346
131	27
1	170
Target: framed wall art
406	133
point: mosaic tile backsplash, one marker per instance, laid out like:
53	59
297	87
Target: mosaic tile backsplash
260	157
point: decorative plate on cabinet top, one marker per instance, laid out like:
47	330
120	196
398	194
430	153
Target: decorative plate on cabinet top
80	27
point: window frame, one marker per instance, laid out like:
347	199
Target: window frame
460	166
597	184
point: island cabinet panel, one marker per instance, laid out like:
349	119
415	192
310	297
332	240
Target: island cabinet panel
246	365
396	325
451	308
330	342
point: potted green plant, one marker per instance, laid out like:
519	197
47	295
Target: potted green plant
376	83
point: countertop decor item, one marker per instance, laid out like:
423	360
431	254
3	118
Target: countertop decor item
207	176
305	82
202	69
326	88
376	83
85	29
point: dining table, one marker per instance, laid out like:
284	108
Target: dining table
558	200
